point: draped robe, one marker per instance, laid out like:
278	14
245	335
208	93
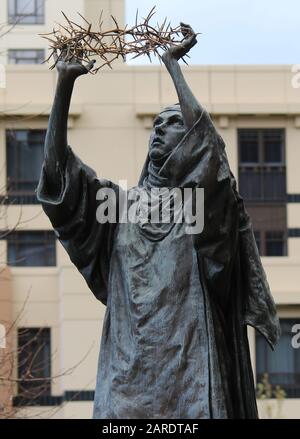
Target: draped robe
174	341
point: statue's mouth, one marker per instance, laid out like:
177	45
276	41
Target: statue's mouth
157	141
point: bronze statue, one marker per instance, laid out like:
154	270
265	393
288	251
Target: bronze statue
174	341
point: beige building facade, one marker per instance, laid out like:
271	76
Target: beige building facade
110	121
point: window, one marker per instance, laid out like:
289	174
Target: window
24	159
262	184
283	364
31	249
275	243
262	171
271	243
270	230
26	11
34	362
26	56
248	146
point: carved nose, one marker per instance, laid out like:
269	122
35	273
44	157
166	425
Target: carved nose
159	129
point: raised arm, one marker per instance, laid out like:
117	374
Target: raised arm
190	107
56	137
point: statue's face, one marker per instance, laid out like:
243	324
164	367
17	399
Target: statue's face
168	130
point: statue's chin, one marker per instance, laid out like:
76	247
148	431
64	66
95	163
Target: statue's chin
158	153
155	154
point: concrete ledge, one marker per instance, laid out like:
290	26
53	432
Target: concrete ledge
38	110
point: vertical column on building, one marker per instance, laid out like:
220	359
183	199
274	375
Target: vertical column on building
81	319
115	8
93	8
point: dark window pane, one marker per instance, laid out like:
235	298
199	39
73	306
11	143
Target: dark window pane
26	11
274	184
11	7
261	184
274	243
26	7
34	56
273	146
270	225
250	184
283	364
262	170
248	146
34	362
261	361
24	153
31	249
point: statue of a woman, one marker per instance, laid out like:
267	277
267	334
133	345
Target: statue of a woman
174	341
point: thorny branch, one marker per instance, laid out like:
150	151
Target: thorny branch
80	42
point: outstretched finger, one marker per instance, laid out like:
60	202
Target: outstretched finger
185	25
63	54
186	29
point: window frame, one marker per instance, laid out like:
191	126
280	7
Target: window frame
15	17
30	336
39	59
261	160
269	240
16	194
263	185
13	238
262	241
261	168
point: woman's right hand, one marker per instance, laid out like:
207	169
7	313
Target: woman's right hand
73	68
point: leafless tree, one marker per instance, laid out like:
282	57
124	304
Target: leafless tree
22	372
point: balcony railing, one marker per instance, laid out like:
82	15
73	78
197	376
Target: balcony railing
262	183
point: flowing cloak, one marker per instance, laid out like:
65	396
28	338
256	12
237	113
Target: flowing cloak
174	341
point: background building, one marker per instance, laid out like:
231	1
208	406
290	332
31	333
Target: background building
257	112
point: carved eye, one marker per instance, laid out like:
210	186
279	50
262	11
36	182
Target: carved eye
178	122
157	121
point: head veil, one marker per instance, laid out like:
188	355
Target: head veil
150	175
206	165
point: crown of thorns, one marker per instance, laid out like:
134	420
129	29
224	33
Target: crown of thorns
82	43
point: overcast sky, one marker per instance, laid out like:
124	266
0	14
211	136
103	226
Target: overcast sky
234	31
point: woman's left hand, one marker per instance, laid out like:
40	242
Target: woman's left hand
179	51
